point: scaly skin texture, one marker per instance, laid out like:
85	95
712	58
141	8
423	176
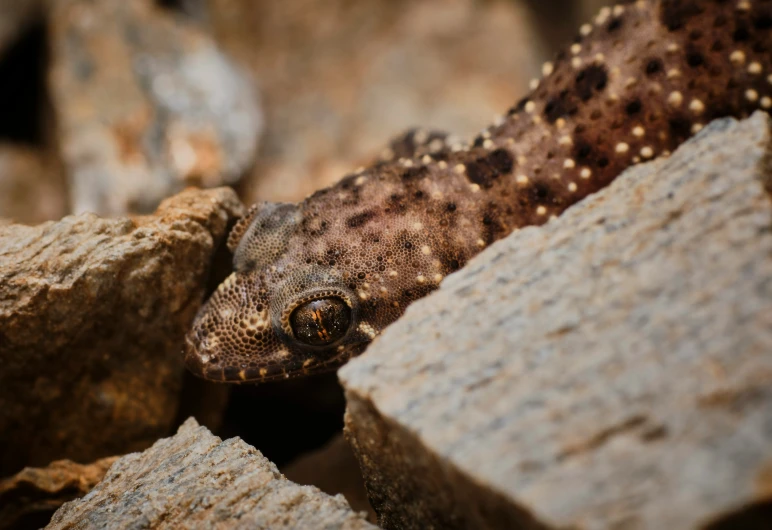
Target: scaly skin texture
636	83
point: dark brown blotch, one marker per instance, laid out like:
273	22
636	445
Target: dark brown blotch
654	66
592	79
485	170
674	14
360	219
414	173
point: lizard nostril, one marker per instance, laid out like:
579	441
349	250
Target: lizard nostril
321	322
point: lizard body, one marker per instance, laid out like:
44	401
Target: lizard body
315	282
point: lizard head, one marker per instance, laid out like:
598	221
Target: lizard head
313	284
274	317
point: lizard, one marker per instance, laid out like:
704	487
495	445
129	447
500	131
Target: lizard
315	282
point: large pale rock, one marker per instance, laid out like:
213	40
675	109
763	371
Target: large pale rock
146	104
611	369
196	480
92	317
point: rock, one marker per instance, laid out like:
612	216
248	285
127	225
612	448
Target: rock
92	317
146	104
338	79
611	369
196	480
333	469
32	187
30	498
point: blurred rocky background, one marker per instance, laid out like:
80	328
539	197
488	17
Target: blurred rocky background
111	107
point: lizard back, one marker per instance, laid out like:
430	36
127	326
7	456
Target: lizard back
315	282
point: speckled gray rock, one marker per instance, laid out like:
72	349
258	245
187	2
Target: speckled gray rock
196	480
146	104
611	369
92	316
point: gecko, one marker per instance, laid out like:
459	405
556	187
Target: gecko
315	282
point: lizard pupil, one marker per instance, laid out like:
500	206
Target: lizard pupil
321	322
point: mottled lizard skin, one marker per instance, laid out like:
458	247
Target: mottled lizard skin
315	282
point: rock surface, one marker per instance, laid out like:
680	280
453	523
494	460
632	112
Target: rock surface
146	104
340	78
196	480
611	369
92	316
30	498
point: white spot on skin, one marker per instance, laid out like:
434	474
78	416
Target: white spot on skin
622	147
647	152
530	107
572	186
754	68
488	144
418	226
360	180
577	62
672	48
383	290
522	179
368	330
436	145
393	274
697	127
737	57
569	163
565	140
541	210
474	188
766	102
460	169
442	164
751	95
638	131
420	137
420	278
426	159
426	250
697	106
576	49
585	173
437	278
534	84
480	243
547	69
585	30
675	99
673	73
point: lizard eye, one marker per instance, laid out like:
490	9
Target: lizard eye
321	322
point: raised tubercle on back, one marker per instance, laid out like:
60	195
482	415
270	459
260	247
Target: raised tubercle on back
314	282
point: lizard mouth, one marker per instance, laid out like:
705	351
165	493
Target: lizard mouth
234	339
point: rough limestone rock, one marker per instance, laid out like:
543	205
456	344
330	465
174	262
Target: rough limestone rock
146	104
30	498
196	480
611	369
92	317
